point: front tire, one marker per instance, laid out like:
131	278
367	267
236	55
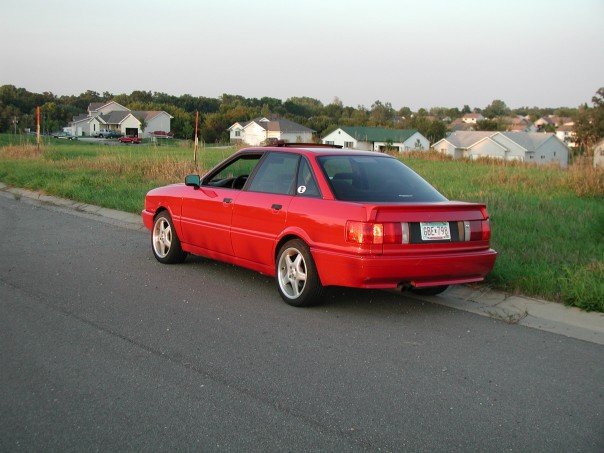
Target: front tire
297	278
164	241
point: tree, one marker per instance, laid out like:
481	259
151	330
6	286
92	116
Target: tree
405	112
589	124
466	109
487	125
495	109
381	114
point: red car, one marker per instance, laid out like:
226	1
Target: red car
132	139
320	216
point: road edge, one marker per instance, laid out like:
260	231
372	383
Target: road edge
482	300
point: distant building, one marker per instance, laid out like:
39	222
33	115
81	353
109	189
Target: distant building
460	125
519	123
472	118
262	130
535	147
115	117
566	133
377	139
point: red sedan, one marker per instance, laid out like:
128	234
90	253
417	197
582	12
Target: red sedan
320	216
131	139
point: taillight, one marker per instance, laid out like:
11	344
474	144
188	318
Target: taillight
476	230
377	233
486	230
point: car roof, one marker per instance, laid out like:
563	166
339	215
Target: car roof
317	151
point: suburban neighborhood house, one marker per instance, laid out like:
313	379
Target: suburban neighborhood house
377	139
472	118
535	147
115	117
263	129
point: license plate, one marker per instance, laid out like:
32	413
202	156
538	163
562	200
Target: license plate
435	231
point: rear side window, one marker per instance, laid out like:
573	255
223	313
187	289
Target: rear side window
306	185
276	174
376	179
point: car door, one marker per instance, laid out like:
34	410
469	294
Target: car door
207	211
260	211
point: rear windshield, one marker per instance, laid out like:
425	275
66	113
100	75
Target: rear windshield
377	179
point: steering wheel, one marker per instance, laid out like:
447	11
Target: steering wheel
239	182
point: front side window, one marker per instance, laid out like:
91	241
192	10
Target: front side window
376	179
234	174
276	174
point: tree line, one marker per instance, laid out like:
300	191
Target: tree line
17	112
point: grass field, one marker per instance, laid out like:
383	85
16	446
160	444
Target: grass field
548	223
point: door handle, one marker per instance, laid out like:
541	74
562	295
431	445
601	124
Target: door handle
276	207
227	200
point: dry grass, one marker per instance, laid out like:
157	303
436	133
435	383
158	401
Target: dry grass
581	177
25	151
585	180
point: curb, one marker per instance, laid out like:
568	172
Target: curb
113	216
525	311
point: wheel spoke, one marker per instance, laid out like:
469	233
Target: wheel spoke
294	285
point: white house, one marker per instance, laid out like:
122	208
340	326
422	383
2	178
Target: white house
472	118
263	129
566	133
535	147
113	116
377	139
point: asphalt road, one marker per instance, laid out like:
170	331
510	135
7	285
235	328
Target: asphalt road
103	348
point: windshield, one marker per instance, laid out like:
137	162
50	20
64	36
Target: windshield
376	179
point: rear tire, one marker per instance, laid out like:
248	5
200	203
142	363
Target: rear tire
297	278
164	240
430	290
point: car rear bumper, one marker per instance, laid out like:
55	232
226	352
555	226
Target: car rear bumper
391	271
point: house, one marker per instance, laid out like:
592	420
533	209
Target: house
263	129
519	123
566	133
460	125
113	116
552	121
535	147
377	139
472	118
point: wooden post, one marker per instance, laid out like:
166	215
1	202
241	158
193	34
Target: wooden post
196	147
38	127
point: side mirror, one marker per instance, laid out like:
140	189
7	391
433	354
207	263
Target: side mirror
193	181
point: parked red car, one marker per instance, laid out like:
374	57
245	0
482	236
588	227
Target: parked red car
132	139
319	216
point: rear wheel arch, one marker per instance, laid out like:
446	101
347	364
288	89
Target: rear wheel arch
288	235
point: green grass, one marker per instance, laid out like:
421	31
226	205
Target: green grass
547	223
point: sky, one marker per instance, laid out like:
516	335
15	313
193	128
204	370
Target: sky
423	53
